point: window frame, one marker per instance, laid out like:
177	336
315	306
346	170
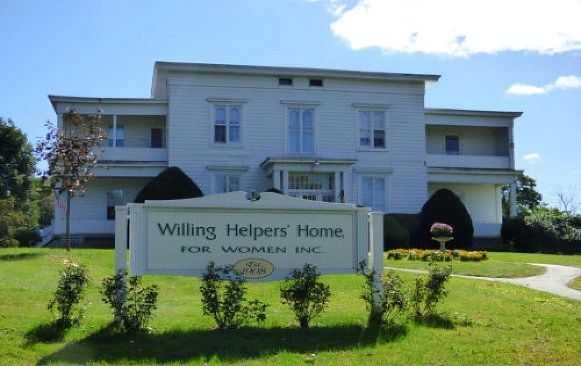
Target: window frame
115	129
292	82
227	105
446	144
372	147
316	81
227	176
110	210
386	201
162	145
301	107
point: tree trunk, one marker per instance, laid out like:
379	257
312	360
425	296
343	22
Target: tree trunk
68	222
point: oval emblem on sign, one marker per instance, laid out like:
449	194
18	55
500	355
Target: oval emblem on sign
253	268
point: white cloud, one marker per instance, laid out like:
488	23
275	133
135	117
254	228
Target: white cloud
458	27
562	83
532	157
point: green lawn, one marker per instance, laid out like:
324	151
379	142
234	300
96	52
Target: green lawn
499	264
575	283
491	323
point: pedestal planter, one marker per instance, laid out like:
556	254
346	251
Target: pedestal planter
442	240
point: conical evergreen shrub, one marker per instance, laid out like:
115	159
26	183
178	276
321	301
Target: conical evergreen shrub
171	184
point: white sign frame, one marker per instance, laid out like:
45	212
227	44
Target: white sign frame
367	229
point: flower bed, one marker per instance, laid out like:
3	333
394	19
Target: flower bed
437	255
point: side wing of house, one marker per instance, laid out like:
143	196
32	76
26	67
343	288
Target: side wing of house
135	151
472	154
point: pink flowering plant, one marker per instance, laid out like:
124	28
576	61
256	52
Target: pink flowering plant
439	230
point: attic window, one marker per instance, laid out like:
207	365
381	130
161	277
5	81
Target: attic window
285	81
316	82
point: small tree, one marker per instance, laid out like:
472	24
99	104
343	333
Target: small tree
305	294
71	152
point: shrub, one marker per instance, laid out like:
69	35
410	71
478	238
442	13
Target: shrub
224	298
394	234
543	230
436	255
131	302
71	286
428	291
27	236
171	184
445	207
305	294
393	300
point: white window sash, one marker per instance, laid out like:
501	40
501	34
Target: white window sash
372	128
301	129
227	123
378	185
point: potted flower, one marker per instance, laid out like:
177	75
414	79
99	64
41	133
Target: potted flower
442	233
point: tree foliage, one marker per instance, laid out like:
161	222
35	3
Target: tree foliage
17	162
71	152
527	196
171	184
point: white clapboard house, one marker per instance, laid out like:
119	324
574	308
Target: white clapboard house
319	134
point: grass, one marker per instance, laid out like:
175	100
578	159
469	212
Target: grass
499	264
480	323
575	283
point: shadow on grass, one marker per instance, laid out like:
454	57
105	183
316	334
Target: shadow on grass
202	345
436	321
45	333
19	256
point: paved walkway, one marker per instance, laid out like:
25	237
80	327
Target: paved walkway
554	280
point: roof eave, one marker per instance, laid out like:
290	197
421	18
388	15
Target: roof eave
291	71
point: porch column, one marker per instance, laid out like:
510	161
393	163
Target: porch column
512	197
337	192
348	185
114	130
284	183
276	179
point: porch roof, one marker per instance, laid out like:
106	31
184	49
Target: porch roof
472	175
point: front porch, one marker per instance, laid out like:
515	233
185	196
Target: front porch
481	192
311	178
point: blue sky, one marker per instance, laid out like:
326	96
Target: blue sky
107	49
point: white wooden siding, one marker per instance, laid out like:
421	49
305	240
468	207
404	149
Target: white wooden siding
264	128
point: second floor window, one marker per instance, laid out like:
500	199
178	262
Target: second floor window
372	129
116	137
452	144
227	124
156	138
301	131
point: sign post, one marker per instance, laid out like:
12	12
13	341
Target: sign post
263	239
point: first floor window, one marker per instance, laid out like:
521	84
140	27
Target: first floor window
452	144
114	198
301	130
227	124
372	129
116	137
227	183
373	192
